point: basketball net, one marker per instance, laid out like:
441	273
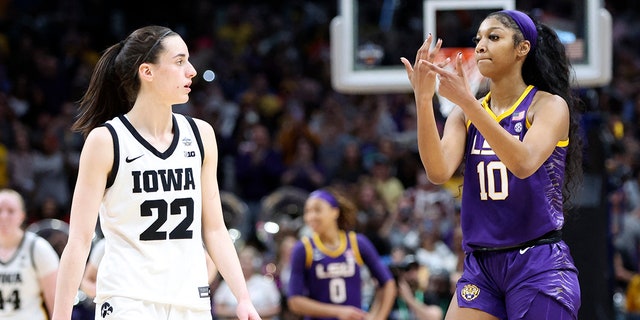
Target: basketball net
474	77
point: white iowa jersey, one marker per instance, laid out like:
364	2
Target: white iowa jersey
20	292
151	219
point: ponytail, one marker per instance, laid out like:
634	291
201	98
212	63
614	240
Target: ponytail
549	69
547	66
114	84
104	98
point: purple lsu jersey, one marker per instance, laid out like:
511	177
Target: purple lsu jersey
499	209
333	276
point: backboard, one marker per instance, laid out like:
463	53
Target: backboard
368	37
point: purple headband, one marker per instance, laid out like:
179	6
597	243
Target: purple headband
326	196
526	25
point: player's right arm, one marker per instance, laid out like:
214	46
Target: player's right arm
96	160
440	156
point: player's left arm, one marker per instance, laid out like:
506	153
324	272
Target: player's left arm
549	118
214	231
550	121
46	262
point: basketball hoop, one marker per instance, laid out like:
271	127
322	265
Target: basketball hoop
474	77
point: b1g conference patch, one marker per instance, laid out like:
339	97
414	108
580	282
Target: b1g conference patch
470	292
204	292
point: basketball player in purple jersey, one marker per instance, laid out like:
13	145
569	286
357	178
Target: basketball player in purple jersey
521	157
326	267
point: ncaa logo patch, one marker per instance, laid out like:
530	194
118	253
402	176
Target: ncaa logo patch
106	309
470	292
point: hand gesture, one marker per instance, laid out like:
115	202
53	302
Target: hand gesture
422	78
453	85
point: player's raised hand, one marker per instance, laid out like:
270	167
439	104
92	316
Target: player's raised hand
453	83
422	78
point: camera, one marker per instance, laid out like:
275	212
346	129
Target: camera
399	268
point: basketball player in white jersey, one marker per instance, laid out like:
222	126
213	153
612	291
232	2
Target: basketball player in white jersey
151	175
28	264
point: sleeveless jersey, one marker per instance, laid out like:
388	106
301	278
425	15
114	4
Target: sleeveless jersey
498	209
334	276
151	218
20	292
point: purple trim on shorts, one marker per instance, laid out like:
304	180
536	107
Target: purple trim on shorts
326	196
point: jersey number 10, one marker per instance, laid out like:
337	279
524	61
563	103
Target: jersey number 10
487	180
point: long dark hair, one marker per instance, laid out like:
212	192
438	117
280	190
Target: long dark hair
114	84
348	211
548	68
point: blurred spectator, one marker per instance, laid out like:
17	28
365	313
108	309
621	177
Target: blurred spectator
7	121
21	163
304	171
434	254
265	102
412	303
387	184
263	290
351	167
5	174
50	173
435	204
49	208
330	127
374	220
258	170
406	224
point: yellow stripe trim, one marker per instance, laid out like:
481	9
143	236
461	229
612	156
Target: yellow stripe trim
331	253
308	249
485	104
355	248
562	143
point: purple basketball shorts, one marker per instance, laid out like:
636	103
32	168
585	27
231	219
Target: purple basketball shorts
524	283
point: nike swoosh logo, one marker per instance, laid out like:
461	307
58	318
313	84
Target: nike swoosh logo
522	251
133	159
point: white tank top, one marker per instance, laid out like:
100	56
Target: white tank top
151	219
20	292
